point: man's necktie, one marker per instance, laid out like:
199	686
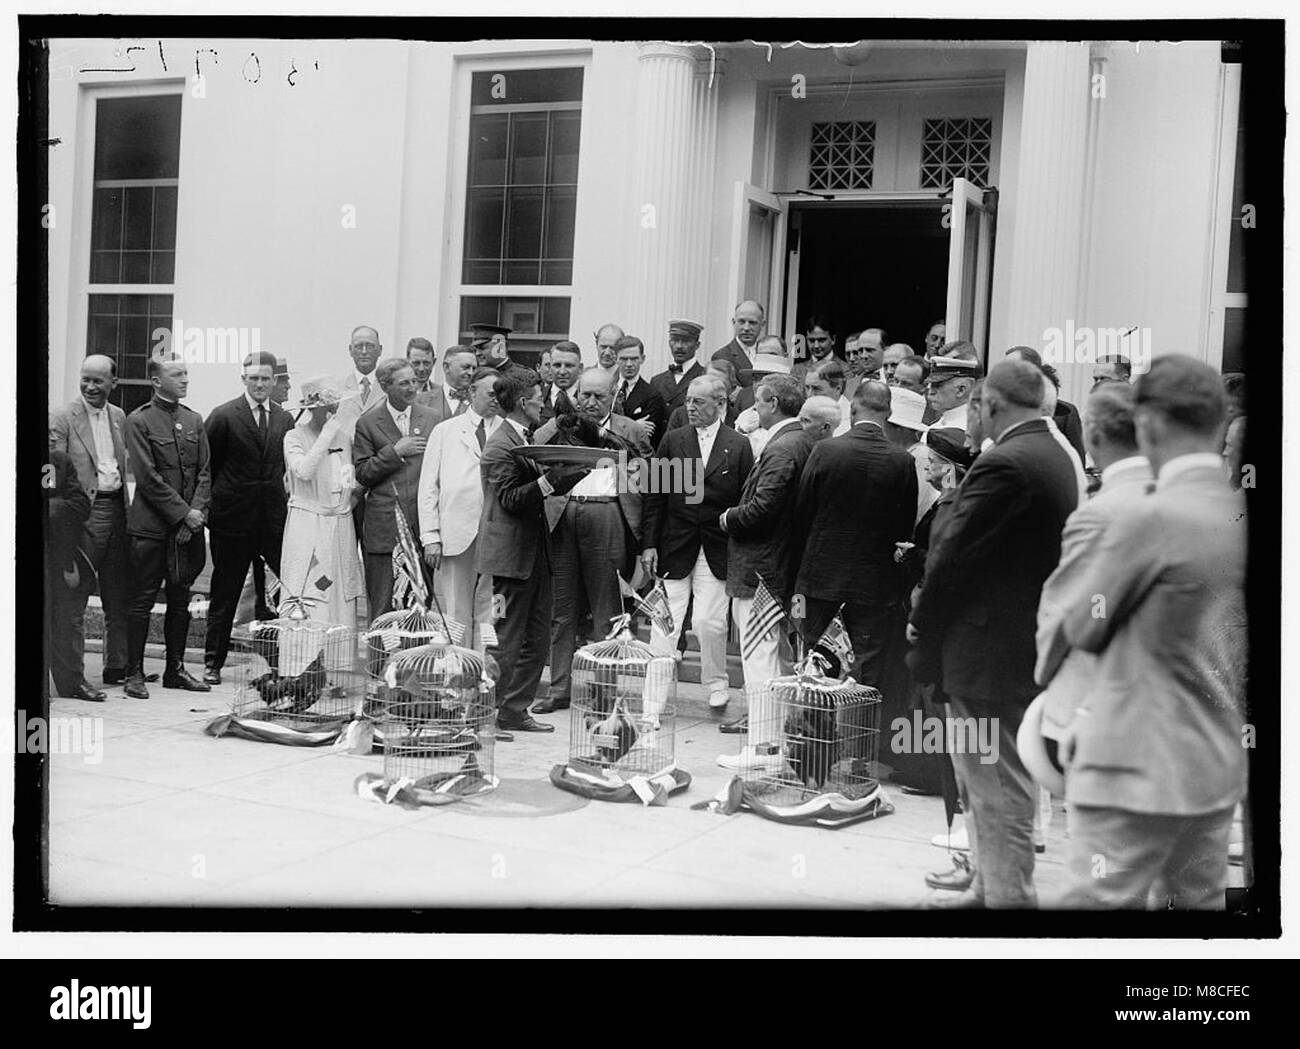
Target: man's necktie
620	402
480	432
261	419
365	389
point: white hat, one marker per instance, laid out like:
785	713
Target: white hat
906	408
1033	751
771	363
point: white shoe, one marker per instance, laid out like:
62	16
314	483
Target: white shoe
719	698
751	760
958	841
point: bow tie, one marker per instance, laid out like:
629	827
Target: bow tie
458	395
675	368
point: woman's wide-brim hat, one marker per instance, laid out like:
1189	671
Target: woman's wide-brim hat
1032	748
321	392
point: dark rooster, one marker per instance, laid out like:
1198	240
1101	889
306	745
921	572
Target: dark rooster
812	744
298	693
578	428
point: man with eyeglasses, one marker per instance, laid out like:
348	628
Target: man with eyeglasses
948	389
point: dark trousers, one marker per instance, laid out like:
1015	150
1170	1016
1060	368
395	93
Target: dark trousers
523	636
231	557
105	543
261	610
588	550
148	573
870	625
379	583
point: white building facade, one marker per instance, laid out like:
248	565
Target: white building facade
1080	198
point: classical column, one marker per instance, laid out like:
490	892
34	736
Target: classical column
1050	171
674	140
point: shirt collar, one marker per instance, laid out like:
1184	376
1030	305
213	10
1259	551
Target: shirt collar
711	430
252	404
869	422
394	412
91	408
1013	427
1119	466
1182	464
780	425
520	428
369	378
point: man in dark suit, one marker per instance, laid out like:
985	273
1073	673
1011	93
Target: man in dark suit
167	447
387	454
976	617
514	549
1154	763
68	508
90	431
759	530
684	541
857	498
747	321
566	366
673	382
595	533
634	397
678	418
246	442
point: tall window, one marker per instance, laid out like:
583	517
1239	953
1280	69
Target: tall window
521	202
133	234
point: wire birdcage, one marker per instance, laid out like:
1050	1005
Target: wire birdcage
811	735
437	717
400	631
624	706
300	673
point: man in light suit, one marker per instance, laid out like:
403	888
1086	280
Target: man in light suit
976	619
1125	476
747	322
362	381
387	454
595	531
451	503
450	397
90	432
1154	762
514	549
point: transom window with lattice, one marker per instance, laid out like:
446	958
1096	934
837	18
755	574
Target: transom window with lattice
960	148
843	154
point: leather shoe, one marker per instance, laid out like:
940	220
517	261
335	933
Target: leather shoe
961	902
738	726
182	678
550	706
86	692
527	723
135	687
116	677
959	879
212	675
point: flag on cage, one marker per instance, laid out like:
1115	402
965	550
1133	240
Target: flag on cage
488	635
835	640
406	566
274	588
654	604
764	614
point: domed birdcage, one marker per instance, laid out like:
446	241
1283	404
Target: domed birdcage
399	631
624	706
811	735
437	716
298	674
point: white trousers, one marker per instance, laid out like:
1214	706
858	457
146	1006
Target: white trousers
709	620
761	666
465	595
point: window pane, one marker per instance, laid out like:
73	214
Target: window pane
130	397
163	270
481	271
487	150
105	267
103	336
521	315
515	86
524	223
483	223
137	230
561	207
555	317
135	267
1236	233
477	309
138	137
564	146
106	219
557	272
521	272
164	218
1234	339
528	149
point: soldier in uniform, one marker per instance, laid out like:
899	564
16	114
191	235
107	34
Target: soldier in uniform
168	451
493	350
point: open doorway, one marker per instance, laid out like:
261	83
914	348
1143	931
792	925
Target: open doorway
860	265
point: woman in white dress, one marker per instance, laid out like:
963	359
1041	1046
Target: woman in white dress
322	491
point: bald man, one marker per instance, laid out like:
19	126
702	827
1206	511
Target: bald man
747	323
90	431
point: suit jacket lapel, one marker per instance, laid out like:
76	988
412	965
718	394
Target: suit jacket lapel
384	420
719	454
81	424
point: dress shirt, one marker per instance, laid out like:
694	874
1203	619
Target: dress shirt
374	383
110	476
603	481
252	407
1191	461
706	437
953	418
1129	463
402	418
490	423
846	415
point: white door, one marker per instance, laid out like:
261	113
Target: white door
758	252
970	269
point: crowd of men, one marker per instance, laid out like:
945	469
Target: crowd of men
943	511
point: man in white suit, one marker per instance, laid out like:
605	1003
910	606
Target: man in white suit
451	503
1154	762
1110	436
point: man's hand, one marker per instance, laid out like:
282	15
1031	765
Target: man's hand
194	520
564	479
913	635
647	427
183	535
410	445
433	555
650	559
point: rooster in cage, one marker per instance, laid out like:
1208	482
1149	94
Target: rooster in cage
299	692
812	744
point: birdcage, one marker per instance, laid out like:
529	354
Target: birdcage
437	718
624	706
811	735
298	674
400	631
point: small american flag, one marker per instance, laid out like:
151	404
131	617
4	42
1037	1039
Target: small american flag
835	640
488	635
654	604
408	579
764	614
